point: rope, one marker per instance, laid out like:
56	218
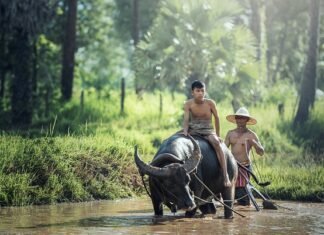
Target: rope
256	165
148	193
203	200
216	198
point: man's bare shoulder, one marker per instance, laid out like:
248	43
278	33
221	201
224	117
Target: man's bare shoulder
231	132
251	134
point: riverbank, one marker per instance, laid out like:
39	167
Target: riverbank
90	157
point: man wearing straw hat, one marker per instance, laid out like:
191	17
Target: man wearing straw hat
241	140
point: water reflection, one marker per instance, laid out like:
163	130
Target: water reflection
135	217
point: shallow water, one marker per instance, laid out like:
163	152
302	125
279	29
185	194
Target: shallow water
135	216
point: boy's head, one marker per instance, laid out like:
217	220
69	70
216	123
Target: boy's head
198	90
197	84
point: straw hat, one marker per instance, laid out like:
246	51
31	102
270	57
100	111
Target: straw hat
242	112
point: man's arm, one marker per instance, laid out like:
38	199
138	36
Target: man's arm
256	144
186	119
215	114
227	139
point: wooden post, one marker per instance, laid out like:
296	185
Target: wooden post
122	96
82	100
161	104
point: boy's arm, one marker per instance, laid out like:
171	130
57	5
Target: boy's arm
186	119
257	145
214	112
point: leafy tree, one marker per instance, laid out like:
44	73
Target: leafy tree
24	21
132	19
124	15
308	86
196	40
286	34
101	58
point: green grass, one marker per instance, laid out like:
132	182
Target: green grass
59	169
85	155
293	177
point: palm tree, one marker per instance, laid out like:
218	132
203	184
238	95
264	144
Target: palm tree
195	40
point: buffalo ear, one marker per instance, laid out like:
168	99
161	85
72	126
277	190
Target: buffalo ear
191	164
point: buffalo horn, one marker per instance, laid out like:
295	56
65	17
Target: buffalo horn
194	160
148	169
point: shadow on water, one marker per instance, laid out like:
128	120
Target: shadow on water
113	221
136	211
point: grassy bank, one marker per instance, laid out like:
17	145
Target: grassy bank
79	155
60	169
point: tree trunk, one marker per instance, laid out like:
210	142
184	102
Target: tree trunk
2	65
255	25
69	48
3	54
269	37
308	85
135	23
34	74
135	35
21	105
281	52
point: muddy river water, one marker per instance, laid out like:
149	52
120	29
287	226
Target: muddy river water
135	216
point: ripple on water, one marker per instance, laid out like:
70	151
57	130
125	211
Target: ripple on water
136	217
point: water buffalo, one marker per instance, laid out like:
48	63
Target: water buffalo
172	175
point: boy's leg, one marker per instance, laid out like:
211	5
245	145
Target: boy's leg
214	140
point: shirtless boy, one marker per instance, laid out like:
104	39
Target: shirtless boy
241	141
198	113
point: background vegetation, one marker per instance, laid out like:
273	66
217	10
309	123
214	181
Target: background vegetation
82	82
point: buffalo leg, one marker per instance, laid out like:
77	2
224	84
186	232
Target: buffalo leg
191	213
208	208
228	197
158	207
156	200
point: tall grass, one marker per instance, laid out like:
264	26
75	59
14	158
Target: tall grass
84	155
69	168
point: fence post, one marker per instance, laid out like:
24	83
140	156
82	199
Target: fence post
122	96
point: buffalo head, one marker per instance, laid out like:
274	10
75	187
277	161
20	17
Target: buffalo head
172	180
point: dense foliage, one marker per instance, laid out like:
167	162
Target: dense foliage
250	53
94	159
